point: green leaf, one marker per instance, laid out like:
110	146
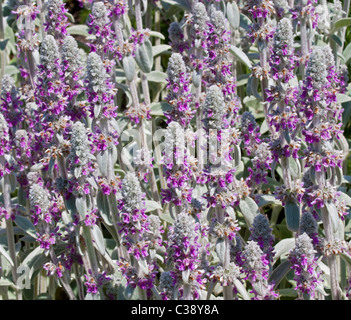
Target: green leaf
102	160
102	204
79	29
345	197
292	215
166	217
252	88
347	53
233	14
158	108
282	248
333	214
11	45
26	225
99	239
238	53
157	76
341	98
4	253
5	282
242	79
268	199
220	249
279	273
144	57
10	70
336	39
97	111
152	205
346	257
143	266
249	209
159	49
128	293
31	259
69	16
264	127
346	114
129	67
245	22
3	44
157	35
344	22
241	289
81	206
294	167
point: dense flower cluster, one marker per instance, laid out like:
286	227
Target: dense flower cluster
304	263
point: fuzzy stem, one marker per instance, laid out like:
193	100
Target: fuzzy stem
9	231
43	282
157	40
79	282
31	68
42	19
332	262
227	290
52	287
186	291
64	281
153	184
145	87
90	249
3	56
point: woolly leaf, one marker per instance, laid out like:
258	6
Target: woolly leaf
341	98
152	205
157	35
268	199
102	160
26	225
233	14
344	22
283	247
99	239
158	108
249	209
4	253
81	206
79	30
129	67
279	273
220	249
241	289
238	53
144	57
160	49
347	53
333	214
157	76
3	44
292	215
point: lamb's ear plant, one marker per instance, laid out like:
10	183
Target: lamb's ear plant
175	150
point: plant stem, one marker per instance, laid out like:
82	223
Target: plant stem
332	262
9	231
2	56
186	291
79	282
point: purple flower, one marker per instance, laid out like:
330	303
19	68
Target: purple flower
304	264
